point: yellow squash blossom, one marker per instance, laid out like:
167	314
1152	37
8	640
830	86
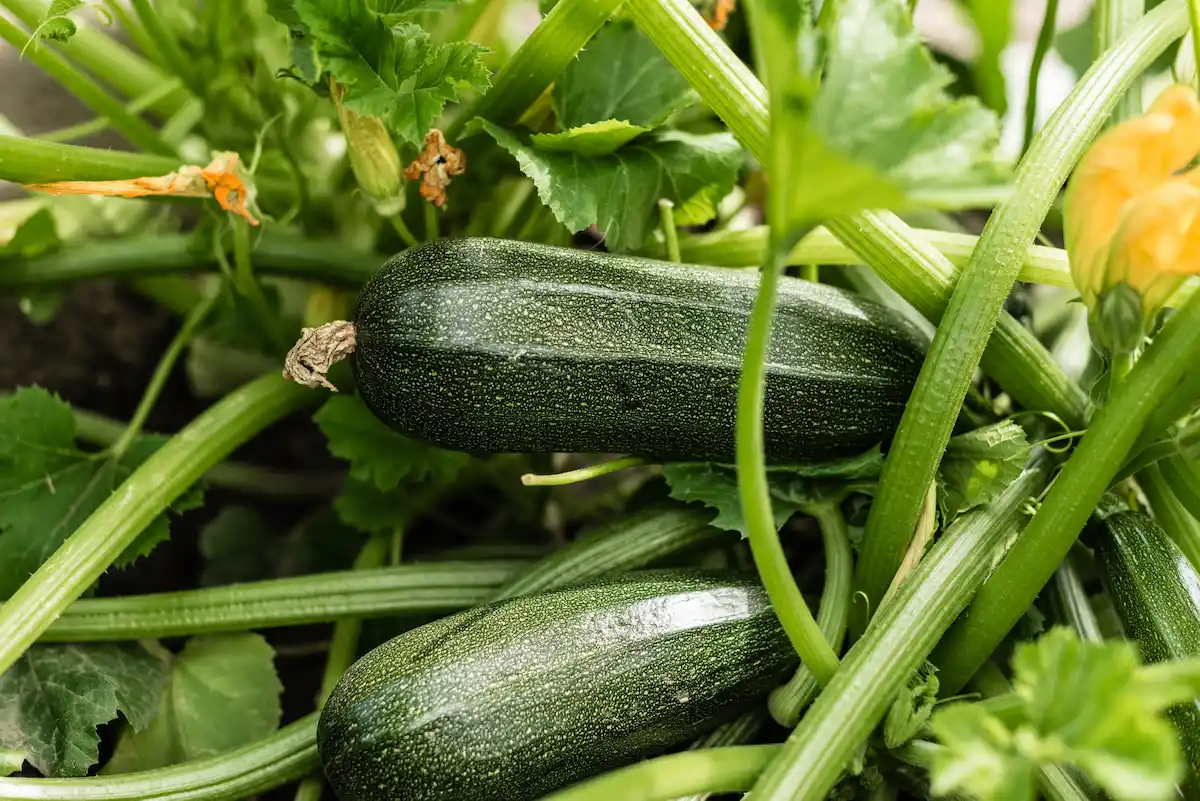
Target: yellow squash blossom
1132	216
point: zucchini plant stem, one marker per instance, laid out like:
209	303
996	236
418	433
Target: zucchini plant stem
285	756
1113	19
982	287
1044	40
100	124
162	372
1073	603
543	56
1180	525
787	702
172	55
897	642
148	492
107	59
295	601
93	95
1075	493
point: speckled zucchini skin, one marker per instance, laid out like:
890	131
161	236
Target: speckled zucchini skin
513	700
1154	589
498	346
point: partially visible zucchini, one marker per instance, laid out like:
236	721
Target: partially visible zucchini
513	700
1156	592
497	346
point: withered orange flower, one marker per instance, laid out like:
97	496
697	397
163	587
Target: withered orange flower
720	13
438	163
1132	212
223	179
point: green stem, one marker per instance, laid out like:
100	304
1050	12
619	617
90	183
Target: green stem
896	643
133	29
431	221
787	702
162	373
432	587
402	230
624	544
811	272
1078	488
30	161
582	474
104	431
320	260
249	289
107	59
100	124
666	210
1113	20
148	492
738	731
710	770
1122	363
245	772
754	490
1181	527
90	93
982	288
172	56
343	647
1179	474
1073	602
1044	41
539	61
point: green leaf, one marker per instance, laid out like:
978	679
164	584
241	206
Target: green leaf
395	11
978	465
36	235
1087	697
55	25
978	758
618	192
47	487
910	712
237	546
223	693
792	488
620	75
54	696
592	139
378	455
393	72
993	23
881	123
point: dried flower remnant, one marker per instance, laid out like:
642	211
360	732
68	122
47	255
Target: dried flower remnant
223	179
317	350
436	166
1133	218
721	11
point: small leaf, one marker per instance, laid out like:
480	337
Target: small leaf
223	693
620	75
395	11
378	455
912	709
54	696
592	139
36	235
48	488
792	488
978	758
619	191
978	465
237	546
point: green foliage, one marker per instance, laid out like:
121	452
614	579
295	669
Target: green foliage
36	235
792	488
909	714
388	471
388	69
222	693
48	487
1091	705
618	191
54	697
621	76
978	465
590	139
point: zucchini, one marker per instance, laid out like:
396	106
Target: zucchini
497	346
524	696
1156	592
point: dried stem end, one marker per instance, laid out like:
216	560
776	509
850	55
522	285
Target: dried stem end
317	350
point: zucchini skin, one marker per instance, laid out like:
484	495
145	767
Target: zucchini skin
1156	592
495	346
516	699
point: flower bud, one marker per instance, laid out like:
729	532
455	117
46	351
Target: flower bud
373	158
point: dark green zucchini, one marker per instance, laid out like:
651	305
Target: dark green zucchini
515	699
497	346
1156	592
